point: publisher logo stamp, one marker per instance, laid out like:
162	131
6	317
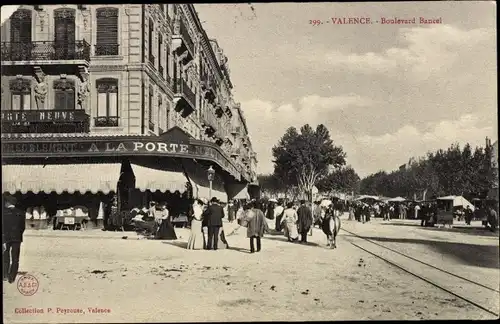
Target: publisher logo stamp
27	285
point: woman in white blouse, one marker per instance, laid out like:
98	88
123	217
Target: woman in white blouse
195	241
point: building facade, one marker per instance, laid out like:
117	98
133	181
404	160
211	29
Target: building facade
130	84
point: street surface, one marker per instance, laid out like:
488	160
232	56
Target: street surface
148	280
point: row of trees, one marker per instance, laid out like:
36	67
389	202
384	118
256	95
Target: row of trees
308	158
454	171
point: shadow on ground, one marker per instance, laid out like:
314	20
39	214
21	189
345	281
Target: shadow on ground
178	244
479	231
283	239
486	256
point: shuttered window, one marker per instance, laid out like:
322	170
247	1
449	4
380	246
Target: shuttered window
167	61
64	94
160	48
150	117
107	31
20	34
151	31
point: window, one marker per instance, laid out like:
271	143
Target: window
160	47
161	115
151	31
20	90
150	117
107	31
64	34
167	61
167	116
107	103
64	92
20	34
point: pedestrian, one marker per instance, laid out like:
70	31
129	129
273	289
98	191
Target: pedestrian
165	229
492	218
468	215
278	215
195	241
214	215
304	222
231	211
417	208
13	226
256	226
290	222
317	214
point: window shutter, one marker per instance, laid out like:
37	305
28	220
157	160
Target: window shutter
70	99
60	100
107	31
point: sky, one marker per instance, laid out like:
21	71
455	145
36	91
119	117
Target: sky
386	92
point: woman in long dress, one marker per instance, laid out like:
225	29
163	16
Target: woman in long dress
195	241
289	220
165	230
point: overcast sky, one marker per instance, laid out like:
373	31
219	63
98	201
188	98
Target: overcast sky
386	92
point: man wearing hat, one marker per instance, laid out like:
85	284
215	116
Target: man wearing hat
214	215
13	226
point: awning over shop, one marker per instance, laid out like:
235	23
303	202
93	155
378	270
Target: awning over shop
204	192
154	179
242	194
81	177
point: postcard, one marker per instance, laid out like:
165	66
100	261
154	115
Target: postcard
312	161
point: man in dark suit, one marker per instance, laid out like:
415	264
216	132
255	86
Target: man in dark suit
305	219
214	216
13	226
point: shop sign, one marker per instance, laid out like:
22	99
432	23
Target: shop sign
117	147
43	116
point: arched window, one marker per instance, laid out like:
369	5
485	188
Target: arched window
20	90
20	34
107	103
107	31
64	93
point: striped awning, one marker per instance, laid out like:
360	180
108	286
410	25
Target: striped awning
204	192
154	179
59	178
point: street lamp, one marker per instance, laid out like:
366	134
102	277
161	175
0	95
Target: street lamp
211	173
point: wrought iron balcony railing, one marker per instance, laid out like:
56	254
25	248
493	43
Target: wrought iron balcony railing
184	90
186	37
45	51
106	121
106	49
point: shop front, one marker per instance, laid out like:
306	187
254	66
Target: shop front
66	182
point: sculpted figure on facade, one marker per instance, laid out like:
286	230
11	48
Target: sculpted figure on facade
83	90
41	90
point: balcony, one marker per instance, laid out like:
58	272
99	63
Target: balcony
208	85
235	152
44	53
106	121
236	130
45	121
182	42
184	98
106	49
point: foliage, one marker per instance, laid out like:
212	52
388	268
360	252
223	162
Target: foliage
454	171
303	159
343	180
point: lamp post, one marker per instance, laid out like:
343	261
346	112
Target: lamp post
211	173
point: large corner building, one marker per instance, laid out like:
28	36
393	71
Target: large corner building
132	101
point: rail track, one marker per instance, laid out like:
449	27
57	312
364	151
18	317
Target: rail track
478	294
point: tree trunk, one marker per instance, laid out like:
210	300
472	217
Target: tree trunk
424	194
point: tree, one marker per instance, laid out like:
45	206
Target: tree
302	159
343	179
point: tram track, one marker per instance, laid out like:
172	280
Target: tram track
476	293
